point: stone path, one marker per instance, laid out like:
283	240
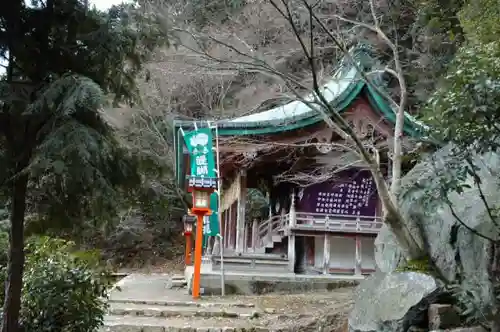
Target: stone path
149	303
179	310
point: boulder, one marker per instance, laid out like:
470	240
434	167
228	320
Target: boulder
454	248
392	301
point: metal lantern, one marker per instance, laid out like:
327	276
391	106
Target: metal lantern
189	222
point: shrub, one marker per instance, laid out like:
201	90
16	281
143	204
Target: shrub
64	290
4	247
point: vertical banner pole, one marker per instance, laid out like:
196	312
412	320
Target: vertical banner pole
219	213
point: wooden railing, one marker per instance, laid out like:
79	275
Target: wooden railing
341	223
270	227
314	222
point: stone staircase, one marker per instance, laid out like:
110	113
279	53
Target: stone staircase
177	282
159	303
165	306
179	316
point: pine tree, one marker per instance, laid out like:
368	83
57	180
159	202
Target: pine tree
64	61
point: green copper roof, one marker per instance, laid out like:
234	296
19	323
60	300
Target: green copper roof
344	87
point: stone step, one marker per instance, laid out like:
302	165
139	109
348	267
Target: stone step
178	283
178	276
199	304
144	310
277	238
195	324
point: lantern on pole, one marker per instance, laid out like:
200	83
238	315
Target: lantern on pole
201	188
201	199
188	222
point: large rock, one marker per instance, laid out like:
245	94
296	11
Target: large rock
454	248
388	255
392	302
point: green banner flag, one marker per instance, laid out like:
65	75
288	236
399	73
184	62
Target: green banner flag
199	145
211	222
212	228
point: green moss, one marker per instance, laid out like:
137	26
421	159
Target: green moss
262	287
231	289
340	284
416	265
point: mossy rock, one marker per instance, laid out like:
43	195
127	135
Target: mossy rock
415	265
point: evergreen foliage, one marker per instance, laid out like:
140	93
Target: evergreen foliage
64	61
59	281
464	111
480	21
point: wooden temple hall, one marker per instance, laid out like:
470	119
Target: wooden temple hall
311	223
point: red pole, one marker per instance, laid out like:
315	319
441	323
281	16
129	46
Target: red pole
188	249
197	256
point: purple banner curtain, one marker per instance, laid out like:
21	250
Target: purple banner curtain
351	193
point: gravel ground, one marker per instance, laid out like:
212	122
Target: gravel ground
314	311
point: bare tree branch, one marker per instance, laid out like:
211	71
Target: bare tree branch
251	61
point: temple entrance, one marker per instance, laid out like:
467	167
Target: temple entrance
300	255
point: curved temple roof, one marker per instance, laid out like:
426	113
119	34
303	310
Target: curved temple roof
345	86
296	110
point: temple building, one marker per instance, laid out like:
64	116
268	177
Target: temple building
323	211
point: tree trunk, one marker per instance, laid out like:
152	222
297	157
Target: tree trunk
410	243
12	304
397	149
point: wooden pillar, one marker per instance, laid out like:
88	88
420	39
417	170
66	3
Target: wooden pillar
255	229
228	228
240	219
270	213
292	221
245	238
326	254
234	217
269	231
291	252
357	266
229	231
291	237
223	230
223	226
